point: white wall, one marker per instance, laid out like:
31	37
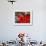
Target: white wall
9	31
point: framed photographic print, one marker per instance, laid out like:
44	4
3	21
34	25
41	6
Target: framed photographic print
23	17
